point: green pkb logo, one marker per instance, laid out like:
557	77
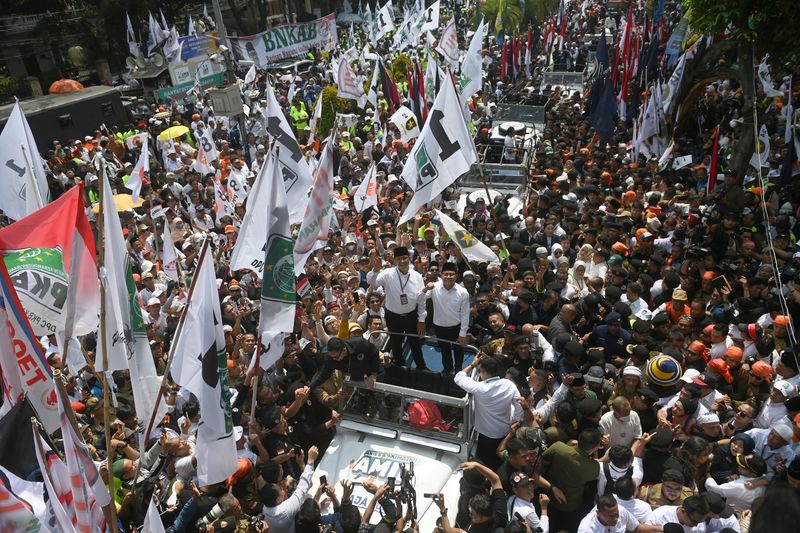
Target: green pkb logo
279	281
39	278
425	167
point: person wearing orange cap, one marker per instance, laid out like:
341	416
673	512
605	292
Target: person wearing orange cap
780	331
695	356
740	372
759	385
706	286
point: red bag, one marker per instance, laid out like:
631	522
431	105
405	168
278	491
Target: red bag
424	414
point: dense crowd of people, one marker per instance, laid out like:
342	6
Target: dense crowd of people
637	367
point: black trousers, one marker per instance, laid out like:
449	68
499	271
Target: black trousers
397	326
450	333
486	451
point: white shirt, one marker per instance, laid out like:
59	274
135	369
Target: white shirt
770	456
591	524
450	307
528	512
715	525
735	492
640	510
495	403
637	305
770	414
617	473
669	513
395	284
622	433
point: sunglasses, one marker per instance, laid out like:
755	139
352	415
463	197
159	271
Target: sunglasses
743	414
754	375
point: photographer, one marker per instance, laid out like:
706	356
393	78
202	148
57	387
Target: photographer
281	508
487	512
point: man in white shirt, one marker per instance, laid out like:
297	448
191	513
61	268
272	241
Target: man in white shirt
774	410
495	405
736	493
609	517
691	514
621	424
622	462
405	308
519	503
280	508
632	298
624	492
774	445
450	316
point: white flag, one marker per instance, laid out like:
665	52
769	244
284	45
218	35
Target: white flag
372	95
200	366
471	77
133	46
430	17
471	248
349	87
137	177
152	520
19	156
406	122
766	79
222	203
248	252
169	255
384	20
314	119
760	157
190	29
668	91
448	43
278	293
55	476
250	77
118	343
126	344
682	161
443	152
366	194
313	233
294	169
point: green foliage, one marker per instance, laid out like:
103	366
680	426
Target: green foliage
769	26
9	87
400	66
331	104
512	17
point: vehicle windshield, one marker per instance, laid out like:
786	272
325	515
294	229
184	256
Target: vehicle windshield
407	409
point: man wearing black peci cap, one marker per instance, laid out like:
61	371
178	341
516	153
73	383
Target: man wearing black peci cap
405	308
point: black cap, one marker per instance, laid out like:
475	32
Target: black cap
589	406
578	381
647	396
717	505
642	326
663	437
449	267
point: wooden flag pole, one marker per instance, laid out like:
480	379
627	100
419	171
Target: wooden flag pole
103	336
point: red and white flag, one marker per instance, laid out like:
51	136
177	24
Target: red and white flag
50	256
313	233
349	86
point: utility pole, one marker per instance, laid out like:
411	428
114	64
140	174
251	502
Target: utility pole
230	73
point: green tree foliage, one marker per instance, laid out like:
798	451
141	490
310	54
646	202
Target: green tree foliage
771	27
400	67
331	104
512	16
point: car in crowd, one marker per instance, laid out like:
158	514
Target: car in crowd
412	430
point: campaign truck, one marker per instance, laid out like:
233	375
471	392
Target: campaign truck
411	431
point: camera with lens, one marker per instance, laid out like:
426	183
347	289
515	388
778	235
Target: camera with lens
696	252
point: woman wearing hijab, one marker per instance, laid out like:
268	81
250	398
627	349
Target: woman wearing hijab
577	277
723	465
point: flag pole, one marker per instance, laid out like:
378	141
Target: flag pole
112	516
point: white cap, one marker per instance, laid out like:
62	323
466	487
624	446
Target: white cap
153	301
632	371
708	418
238	433
784	431
690	374
784	387
147	266
644	314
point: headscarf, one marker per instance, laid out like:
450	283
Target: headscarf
585	253
575	278
556	247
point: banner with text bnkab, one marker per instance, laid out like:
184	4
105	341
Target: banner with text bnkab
285	40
